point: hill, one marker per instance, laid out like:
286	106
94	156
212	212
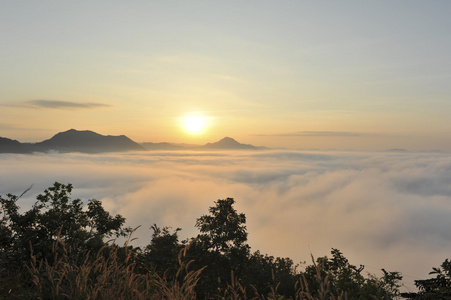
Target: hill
12	146
73	141
226	143
162	146
87	141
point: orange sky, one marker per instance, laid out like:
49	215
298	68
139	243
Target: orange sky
297	74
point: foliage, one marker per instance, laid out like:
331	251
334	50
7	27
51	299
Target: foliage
223	231
438	287
345	279
161	255
320	290
57	250
54	215
76	275
112	274
182	286
268	274
221	246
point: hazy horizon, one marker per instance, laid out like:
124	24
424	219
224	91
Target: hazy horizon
295	74
394	149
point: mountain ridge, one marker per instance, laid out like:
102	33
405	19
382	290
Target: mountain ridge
87	141
226	143
84	141
229	143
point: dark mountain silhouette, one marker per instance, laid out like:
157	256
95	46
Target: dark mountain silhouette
12	146
228	143
73	141
90	142
224	144
162	146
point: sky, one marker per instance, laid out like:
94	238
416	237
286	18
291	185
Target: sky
367	75
381	209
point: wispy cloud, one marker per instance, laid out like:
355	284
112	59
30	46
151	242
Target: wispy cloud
8	126
316	133
64	104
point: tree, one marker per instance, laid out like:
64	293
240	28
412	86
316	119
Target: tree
162	252
221	246
54	216
335	277
267	275
223	231
438	287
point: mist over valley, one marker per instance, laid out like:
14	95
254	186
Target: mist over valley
382	209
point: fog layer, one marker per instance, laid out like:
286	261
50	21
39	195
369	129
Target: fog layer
383	210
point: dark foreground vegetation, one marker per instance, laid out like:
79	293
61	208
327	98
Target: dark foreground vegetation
60	249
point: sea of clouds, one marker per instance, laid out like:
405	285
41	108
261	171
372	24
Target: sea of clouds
381	209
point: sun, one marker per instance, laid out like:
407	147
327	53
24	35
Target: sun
194	124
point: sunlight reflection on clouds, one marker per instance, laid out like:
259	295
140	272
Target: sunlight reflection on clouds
381	209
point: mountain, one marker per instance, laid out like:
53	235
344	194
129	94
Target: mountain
73	141
90	142
228	143
162	146
12	146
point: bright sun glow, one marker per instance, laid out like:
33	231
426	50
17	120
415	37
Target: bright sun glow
194	124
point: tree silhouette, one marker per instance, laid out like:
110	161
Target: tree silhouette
438	287
162	252
223	230
221	246
54	216
346	280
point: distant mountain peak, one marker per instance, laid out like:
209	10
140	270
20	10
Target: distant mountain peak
76	133
72	131
73	140
226	141
229	143
88	141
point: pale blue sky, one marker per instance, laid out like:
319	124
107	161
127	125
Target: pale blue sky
262	71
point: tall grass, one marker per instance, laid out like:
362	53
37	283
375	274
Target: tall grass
114	273
323	292
184	283
72	274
